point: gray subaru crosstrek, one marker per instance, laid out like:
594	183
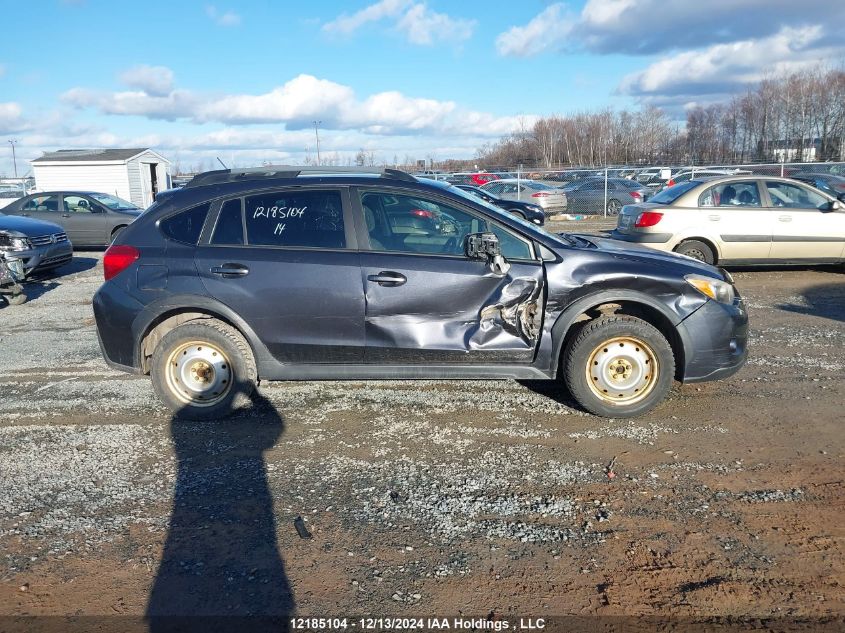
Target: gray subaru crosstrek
293	273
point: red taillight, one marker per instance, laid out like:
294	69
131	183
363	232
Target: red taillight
422	213
118	258
540	194
636	195
670	182
648	218
840	187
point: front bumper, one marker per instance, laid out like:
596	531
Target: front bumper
39	258
717	341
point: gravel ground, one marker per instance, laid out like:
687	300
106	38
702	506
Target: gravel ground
424	497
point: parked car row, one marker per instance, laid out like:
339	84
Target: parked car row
740	220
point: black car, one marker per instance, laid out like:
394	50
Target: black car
289	273
41	246
89	218
525	210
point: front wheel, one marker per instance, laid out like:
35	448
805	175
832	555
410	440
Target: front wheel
203	370
518	214
618	366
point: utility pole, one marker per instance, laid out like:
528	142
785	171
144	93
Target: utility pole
14	158
317	135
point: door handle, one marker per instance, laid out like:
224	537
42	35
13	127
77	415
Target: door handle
229	271
715	217
388	278
785	218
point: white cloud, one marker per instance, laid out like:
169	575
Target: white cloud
723	68
11	119
645	27
416	22
423	26
298	103
154	80
546	31
346	24
224	18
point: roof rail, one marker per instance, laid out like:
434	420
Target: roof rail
289	171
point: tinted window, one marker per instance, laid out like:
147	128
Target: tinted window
186	226
732	194
295	218
229	228
412	225
41	203
784	194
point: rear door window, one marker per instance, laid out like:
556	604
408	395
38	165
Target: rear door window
41	204
295	218
732	194
229	229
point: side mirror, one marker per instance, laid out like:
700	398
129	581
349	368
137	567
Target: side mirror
486	247
835	205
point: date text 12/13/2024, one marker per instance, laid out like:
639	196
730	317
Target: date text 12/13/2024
415	624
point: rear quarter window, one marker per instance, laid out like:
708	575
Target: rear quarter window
185	226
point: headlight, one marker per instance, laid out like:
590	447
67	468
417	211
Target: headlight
534	207
720	291
20	244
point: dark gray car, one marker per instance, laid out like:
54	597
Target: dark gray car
88	218
41	246
294	273
587	195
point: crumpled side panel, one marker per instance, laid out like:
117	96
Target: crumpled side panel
515	312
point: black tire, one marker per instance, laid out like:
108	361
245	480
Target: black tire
613	207
648	348
697	250
519	213
235	370
115	232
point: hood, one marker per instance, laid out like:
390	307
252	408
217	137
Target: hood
629	250
28	226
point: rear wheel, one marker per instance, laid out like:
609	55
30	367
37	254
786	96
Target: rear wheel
203	370
697	250
613	207
618	366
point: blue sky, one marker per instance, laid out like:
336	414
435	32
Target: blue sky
401	78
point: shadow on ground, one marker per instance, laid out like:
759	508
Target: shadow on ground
221	569
826	301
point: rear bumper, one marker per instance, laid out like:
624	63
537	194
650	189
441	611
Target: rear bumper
114	312
718	341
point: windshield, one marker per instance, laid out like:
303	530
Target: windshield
668	196
114	203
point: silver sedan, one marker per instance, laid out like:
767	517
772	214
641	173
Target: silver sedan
552	200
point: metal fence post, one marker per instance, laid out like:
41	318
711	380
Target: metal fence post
605	192
518	178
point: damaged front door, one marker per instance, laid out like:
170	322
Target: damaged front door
427	303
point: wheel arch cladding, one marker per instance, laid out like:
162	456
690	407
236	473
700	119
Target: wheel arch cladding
168	320
630	303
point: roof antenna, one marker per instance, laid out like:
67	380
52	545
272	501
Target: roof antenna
221	162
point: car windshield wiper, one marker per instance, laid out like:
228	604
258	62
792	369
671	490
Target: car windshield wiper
569	238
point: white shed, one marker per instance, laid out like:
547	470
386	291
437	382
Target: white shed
135	174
